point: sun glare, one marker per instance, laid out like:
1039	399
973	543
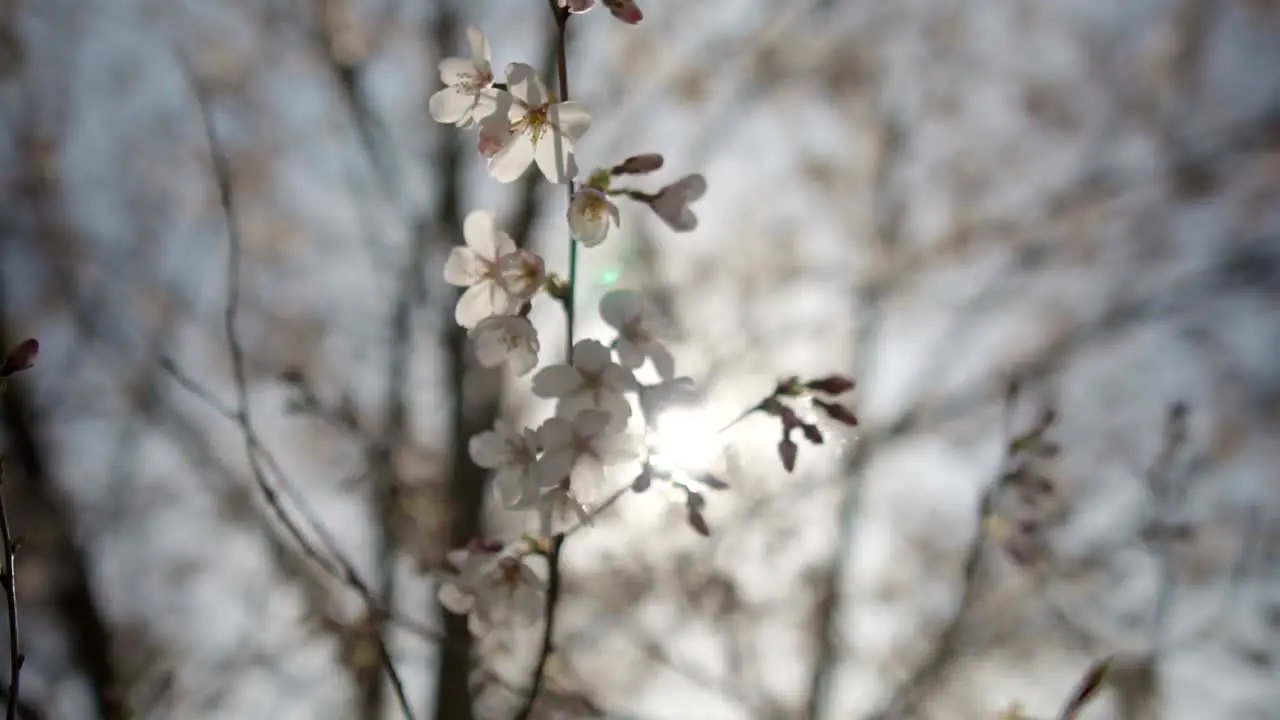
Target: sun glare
683	440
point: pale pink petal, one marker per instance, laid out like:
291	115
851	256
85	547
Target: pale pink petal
450	105
524	358
488	449
480	232
629	355
588	474
555	465
479	45
618	378
509	163
459	71
523	83
663	362
616	407
590	423
463	268
620	307
490	340
554	433
591	355
454	599
479	302
510	487
618	448
495	133
554	154
556	381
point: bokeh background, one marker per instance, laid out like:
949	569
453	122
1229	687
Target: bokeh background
932	196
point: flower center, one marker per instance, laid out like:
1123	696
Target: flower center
535	122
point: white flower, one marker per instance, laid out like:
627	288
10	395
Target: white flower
672	202
513	454
580	449
492	588
506	339
476	267
535	129
593	382
639	331
560	508
468	95
523	273
589	213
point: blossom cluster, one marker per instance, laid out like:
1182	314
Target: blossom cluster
552	470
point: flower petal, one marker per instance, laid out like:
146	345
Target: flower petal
620	307
479	45
663	362
449	105
454	599
459	71
488	449
523	83
490	340
554	154
480	231
509	163
479	302
591	356
571	118
556	381
629	355
463	268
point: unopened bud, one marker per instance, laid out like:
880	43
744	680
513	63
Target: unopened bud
639	164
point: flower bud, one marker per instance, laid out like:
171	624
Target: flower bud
638	164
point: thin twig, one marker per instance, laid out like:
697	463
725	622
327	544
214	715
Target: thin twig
11	599
222	176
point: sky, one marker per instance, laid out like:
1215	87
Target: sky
929	195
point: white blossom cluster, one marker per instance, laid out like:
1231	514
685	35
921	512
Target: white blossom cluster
548	469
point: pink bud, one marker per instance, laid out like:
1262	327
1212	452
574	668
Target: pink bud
625	10
21	357
787	450
837	412
638	164
831	385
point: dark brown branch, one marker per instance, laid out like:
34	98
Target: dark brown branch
11	601
75	602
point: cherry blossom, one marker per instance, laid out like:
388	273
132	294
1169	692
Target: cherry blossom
535	129
589	213
513	454
477	268
468	95
580	449
592	382
492	588
639	331
672	202
506	339
523	273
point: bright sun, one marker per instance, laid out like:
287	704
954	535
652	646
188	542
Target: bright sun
683	440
